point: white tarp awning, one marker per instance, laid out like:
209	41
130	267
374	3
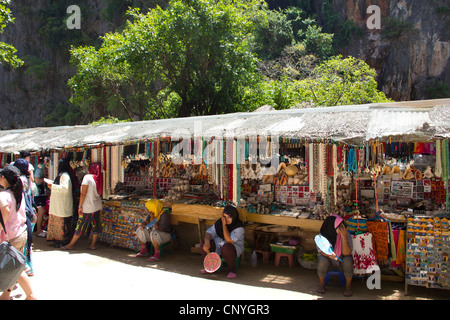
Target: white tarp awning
413	120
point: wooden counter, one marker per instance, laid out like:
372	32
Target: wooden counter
304	224
191	214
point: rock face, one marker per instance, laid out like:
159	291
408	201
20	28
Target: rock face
42	40
408	64
414	61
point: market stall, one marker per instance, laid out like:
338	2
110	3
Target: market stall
375	165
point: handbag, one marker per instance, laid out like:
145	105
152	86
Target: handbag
356	224
12	263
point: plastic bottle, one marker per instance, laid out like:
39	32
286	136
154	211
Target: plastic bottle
254	259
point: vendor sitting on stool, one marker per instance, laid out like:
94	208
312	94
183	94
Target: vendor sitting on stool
155	229
226	238
334	229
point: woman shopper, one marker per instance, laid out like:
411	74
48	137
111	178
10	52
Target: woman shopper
12	210
61	205
40	199
89	207
30	211
226	238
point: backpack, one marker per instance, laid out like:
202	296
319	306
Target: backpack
29	206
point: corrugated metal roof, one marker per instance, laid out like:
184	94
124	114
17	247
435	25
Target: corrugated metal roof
414	120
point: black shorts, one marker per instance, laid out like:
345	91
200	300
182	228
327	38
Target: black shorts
40	201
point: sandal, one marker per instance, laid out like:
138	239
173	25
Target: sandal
43	234
348	293
66	248
231	275
153	259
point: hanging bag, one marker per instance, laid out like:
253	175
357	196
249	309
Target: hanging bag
356	224
12	263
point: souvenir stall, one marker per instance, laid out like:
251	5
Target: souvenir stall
347	160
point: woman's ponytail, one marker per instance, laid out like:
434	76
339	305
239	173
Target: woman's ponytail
17	189
12	175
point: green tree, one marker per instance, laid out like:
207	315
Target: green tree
341	81
272	35
192	58
318	43
7	51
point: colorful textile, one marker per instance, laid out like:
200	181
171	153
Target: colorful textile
379	231
58	228
364	259
85	221
401	248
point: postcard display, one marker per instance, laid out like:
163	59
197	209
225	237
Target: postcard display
427	253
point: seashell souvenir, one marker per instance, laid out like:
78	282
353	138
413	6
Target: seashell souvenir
291	170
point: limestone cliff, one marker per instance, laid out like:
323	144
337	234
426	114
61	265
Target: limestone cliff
409	60
411	50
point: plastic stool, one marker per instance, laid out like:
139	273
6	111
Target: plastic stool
266	255
279	255
163	248
237	263
335	273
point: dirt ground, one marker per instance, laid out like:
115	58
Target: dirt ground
112	273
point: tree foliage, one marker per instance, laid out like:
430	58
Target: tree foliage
7	51
191	58
197	57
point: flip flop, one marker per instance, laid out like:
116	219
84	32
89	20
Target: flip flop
231	275
65	248
151	259
348	293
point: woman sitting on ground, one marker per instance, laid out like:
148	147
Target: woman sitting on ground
226	238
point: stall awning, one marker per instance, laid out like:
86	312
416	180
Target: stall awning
412	120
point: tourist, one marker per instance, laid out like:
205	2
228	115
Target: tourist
61	205
226	238
335	231
40	199
30	211
89	207
12	210
157	233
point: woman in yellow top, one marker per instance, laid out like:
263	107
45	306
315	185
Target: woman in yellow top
155	229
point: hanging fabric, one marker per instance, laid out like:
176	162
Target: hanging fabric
380	233
438	166
335	172
364	259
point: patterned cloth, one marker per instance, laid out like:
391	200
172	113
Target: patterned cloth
86	220
380	233
364	259
58	228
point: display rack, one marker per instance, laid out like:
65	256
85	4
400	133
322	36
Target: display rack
427	252
119	223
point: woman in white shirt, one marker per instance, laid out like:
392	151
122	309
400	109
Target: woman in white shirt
61	204
90	207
